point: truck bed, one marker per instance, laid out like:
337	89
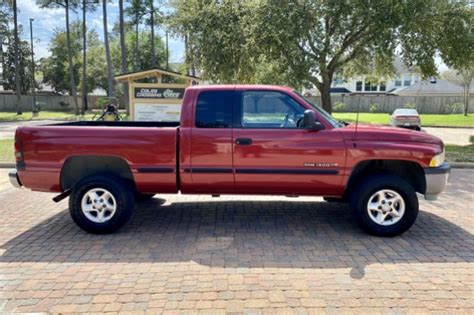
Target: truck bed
147	149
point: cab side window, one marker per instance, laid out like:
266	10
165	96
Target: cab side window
214	109
270	109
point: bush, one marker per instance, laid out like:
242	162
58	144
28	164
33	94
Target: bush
455	108
410	105
64	105
471	140
373	108
339	107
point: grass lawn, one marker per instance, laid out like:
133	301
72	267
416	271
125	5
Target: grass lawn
6	150
427	120
460	153
43	115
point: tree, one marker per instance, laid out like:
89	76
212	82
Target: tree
55	67
22	58
16	44
86	6
123	53
66	4
311	40
143	61
110	73
5	17
463	77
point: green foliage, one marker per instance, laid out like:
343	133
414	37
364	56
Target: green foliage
24	61
310	41
410	105
339	107
373	108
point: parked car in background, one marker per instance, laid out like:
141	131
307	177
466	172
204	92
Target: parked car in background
406	118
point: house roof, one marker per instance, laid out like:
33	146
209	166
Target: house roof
431	88
152	72
339	90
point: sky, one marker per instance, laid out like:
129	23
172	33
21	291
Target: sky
46	20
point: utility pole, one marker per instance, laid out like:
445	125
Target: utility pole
34	109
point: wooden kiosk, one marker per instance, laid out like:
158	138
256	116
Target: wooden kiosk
158	101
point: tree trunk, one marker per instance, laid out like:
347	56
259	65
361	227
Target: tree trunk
110	75
69	57
136	40
84	58
152	26
325	89
16	61
123	53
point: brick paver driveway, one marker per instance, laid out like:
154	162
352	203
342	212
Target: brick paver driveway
236	254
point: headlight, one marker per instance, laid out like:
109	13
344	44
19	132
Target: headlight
437	160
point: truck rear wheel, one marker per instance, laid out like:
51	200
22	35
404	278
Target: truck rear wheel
385	205
101	204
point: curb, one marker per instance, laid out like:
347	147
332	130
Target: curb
468	165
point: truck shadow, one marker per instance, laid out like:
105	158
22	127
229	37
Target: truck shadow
243	234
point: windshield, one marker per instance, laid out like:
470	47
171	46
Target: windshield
333	121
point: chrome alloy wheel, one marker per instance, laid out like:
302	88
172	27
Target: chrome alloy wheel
386	207
98	205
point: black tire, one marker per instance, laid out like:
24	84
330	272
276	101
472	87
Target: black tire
139	197
122	193
367	188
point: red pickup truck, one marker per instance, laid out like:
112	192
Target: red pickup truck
233	139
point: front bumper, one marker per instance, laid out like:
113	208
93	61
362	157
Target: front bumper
14	179
436	180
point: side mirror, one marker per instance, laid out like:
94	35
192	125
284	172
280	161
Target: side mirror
309	121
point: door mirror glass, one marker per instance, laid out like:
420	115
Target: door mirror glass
310	122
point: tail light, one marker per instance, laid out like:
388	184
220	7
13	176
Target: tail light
18	151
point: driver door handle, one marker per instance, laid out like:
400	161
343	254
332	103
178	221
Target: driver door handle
243	141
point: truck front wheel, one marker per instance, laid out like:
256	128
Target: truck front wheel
101	204
385	205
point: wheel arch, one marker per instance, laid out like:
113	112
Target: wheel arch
76	168
410	171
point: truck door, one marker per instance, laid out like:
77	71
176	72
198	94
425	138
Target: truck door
211	143
272	155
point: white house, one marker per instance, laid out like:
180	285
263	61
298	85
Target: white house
404	77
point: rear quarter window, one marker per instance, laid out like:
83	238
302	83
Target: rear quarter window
214	109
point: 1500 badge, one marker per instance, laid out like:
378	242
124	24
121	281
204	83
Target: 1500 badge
309	164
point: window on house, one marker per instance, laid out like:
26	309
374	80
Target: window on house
370	87
359	86
406	80
398	81
383	87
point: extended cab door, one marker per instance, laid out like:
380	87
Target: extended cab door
273	155
210	142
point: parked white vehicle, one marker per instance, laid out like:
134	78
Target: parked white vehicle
406	118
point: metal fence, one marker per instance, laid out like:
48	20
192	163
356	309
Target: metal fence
388	103
48	102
